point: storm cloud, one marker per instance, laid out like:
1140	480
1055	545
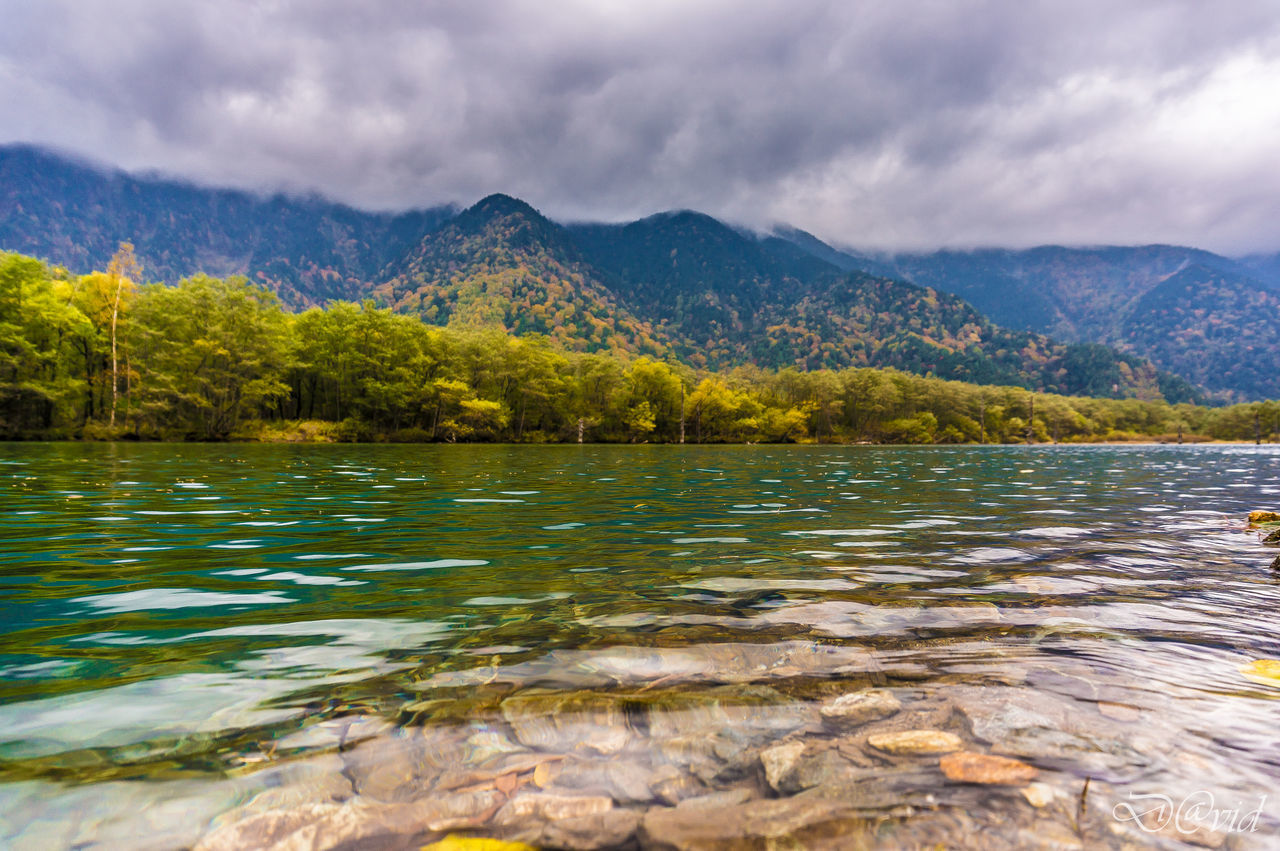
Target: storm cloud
871	124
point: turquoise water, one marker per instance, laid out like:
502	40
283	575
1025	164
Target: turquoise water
186	626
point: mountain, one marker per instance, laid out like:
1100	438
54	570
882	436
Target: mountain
1263	267
76	214
705	285
723	297
679	283
1201	315
501	262
849	261
1221	332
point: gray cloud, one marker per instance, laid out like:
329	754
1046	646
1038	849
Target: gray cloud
869	123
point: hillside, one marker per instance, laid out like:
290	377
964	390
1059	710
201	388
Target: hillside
307	249
679	283
1118	297
723	297
502	263
1221	333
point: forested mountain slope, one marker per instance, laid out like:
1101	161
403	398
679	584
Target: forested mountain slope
1117	296
681	284
502	263
307	249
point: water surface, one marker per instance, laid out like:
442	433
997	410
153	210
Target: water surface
196	634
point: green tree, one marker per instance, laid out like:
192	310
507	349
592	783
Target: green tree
212	353
123	273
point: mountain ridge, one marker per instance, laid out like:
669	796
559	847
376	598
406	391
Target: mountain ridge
310	249
680	282
1103	294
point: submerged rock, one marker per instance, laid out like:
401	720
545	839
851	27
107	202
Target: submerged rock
323	826
1054	731
671	785
970	767
610	829
499	772
486	744
749	825
1039	795
831	770
652	666
465	809
623	779
916	742
718	800
851	710
546	806
405	765
780	760
563	722
753	713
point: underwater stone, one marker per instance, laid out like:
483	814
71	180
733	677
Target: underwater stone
551	807
742	826
780	760
612	829
1039	795
856	708
916	742
969	767
565	722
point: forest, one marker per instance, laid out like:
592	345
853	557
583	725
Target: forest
99	357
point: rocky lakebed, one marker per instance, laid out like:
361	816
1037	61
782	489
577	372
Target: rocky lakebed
797	746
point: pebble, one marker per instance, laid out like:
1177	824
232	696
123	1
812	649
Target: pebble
546	773
916	742
780	760
1039	795
859	708
970	767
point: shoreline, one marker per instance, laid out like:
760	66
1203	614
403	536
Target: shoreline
249	441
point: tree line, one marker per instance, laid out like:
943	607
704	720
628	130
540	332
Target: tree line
99	357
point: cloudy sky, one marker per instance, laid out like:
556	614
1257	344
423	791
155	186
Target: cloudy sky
874	124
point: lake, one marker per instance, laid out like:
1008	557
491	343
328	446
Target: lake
651	646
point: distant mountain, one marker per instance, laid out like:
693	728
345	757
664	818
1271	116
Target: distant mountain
849	261
722	298
75	215
708	287
1263	267
677	283
1137	299
1221	332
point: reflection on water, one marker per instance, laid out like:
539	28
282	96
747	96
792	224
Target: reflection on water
693	647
